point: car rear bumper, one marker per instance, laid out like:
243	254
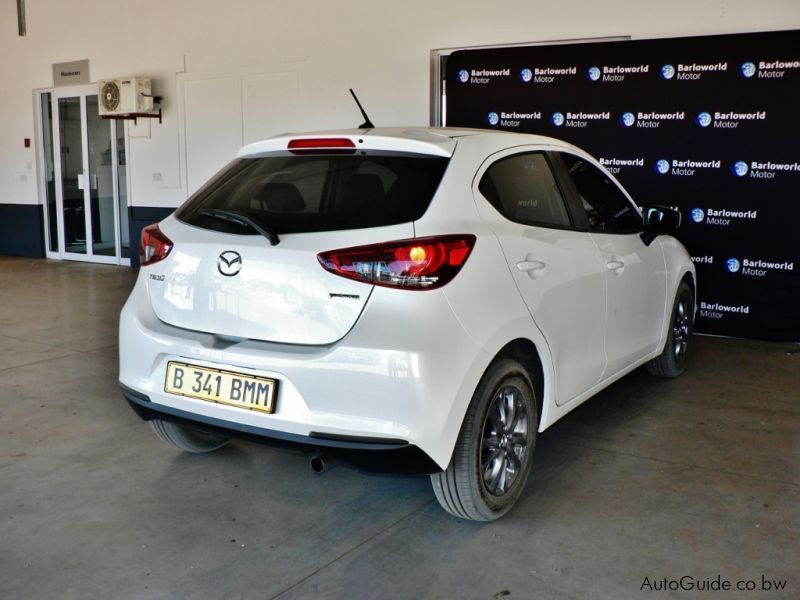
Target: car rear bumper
398	382
373	455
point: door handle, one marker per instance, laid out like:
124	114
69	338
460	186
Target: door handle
616	265
534	268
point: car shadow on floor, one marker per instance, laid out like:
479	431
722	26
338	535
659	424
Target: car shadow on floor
608	415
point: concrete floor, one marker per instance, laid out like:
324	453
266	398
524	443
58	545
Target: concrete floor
697	477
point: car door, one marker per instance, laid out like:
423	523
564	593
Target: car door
556	267
635	272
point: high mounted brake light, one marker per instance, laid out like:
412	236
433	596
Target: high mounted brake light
154	246
303	145
417	264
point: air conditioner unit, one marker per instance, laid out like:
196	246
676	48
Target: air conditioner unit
124	95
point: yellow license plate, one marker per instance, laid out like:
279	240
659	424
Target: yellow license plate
226	387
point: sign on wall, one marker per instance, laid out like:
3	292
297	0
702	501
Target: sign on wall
710	125
71	73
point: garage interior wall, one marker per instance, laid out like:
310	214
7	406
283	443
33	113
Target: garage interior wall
233	72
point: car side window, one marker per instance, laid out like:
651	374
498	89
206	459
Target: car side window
607	208
522	188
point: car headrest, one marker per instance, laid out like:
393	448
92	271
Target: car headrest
280	197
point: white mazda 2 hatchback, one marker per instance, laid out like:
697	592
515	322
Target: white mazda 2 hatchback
410	301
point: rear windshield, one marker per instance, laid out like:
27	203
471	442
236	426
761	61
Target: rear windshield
297	194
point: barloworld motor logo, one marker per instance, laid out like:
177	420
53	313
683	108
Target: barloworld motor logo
615	73
628	119
752	267
733	265
704	119
650	119
767	69
684	167
723	217
482	76
698	215
615	165
667	72
549	74
579	120
716	310
730	119
512	119
764	170
526	75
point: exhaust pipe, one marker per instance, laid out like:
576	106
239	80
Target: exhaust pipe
320	464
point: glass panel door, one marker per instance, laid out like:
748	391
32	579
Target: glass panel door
101	182
49	173
73	209
88	214
122	190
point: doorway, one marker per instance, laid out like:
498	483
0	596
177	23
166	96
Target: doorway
85	178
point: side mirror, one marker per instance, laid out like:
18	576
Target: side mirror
659	219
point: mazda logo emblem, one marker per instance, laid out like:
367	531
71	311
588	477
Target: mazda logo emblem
229	263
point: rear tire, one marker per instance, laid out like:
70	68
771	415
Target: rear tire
188	440
672	361
493	454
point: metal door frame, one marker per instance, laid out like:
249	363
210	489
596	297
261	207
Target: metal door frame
81	92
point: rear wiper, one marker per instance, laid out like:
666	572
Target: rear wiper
240	219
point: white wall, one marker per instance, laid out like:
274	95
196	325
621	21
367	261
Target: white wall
380	48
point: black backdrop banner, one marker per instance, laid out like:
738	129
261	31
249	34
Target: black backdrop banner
709	125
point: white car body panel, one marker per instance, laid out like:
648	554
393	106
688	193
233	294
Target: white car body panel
280	295
568	272
357	387
396	363
636	293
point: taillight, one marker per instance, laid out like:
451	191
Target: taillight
155	246
418	264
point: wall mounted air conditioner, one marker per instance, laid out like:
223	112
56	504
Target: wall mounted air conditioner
124	95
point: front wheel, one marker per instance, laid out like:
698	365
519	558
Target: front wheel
492	458
672	361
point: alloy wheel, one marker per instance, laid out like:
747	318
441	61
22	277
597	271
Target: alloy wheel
681	330
504	440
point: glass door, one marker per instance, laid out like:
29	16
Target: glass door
86	204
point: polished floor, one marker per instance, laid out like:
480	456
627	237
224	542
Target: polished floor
696	477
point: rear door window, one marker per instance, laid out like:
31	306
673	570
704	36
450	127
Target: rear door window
296	194
522	188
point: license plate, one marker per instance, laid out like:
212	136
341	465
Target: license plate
225	387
